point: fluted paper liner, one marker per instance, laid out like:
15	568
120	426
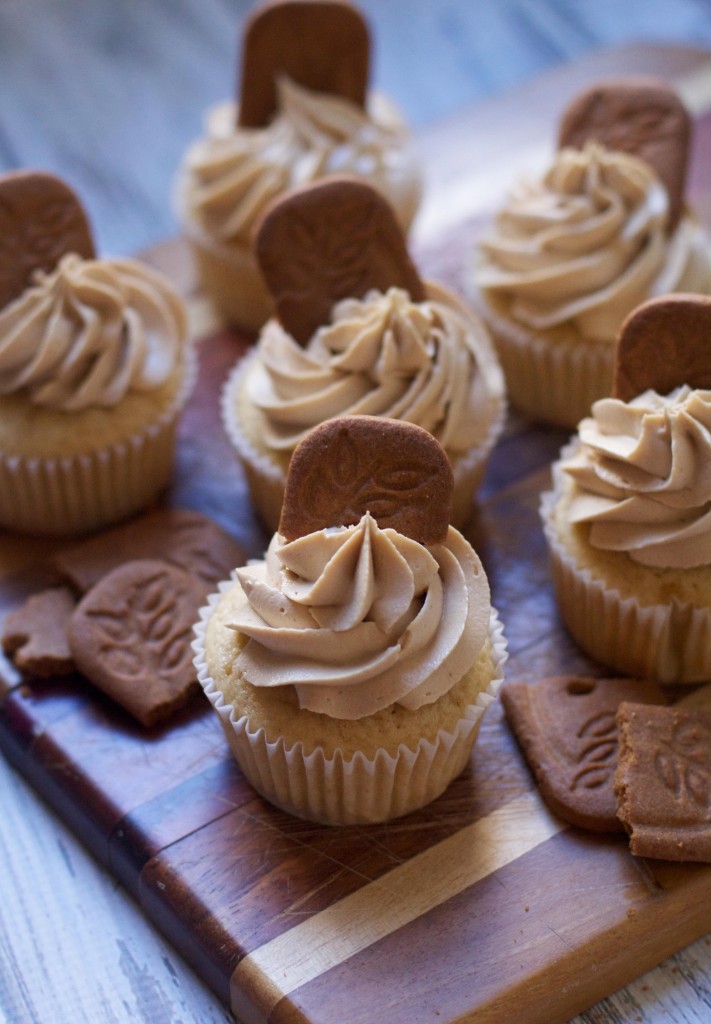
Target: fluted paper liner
669	642
551	379
361	790
267	479
78	493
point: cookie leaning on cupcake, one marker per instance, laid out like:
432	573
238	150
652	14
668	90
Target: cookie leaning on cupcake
628	521
94	368
304	111
357	332
350	669
572	254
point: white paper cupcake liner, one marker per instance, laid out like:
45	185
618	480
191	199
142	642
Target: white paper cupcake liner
267	479
79	493
552	380
359	790
670	643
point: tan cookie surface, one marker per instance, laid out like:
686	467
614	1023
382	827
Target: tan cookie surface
131	635
337	238
565	726
323	45
664	343
663	781
41	219
179	536
35	635
348	466
638	115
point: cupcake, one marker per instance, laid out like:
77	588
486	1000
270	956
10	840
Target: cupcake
304	111
572	254
94	370
357	332
351	668
628	521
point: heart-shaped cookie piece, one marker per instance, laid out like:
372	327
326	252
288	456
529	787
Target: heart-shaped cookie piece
335	239
664	343
323	45
351	465
638	115
41	219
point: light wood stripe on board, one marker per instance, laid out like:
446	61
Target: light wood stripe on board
379	908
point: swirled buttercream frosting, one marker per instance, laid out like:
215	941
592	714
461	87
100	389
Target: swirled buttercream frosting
357	619
429	363
230	175
90	332
642	477
587	243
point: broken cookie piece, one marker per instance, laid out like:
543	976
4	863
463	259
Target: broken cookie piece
35	635
565	726
131	634
663	781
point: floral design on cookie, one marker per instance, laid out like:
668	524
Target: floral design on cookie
348	466
332	240
638	115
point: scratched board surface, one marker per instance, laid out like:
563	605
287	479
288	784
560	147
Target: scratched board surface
481	906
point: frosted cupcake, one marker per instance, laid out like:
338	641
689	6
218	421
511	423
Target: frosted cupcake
572	254
351	668
373	340
628	520
304	112
94	371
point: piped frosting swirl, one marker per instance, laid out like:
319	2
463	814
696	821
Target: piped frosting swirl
229	176
357	618
90	332
587	243
428	363
642	477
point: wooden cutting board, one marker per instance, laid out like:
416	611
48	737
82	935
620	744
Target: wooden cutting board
482	906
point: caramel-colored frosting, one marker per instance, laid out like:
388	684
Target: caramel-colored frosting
642	477
90	332
358	619
428	363
587	243
230	175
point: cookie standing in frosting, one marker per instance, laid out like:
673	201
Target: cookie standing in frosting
573	253
231	176
357	333
313	116
94	370
351	667
588	243
628	520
